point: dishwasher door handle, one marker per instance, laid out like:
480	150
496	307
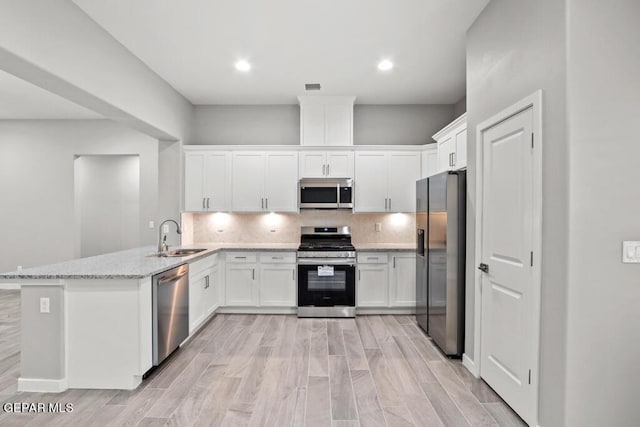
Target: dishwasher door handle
171	279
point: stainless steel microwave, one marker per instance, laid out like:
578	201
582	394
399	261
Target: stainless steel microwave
326	193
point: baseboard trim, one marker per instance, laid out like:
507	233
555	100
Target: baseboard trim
257	310
470	365
385	310
42	385
9	286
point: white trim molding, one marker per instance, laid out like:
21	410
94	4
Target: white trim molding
42	385
470	365
533	101
9	286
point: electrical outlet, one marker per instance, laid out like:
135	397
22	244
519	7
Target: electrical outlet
19	268
44	305
152	224
378	227
630	252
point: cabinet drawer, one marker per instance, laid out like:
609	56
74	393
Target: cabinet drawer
241	257
373	258
278	257
203	264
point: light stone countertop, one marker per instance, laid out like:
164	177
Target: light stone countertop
129	264
137	263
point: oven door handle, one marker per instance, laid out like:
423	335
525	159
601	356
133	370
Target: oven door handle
327	261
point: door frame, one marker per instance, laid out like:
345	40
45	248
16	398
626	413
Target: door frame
533	101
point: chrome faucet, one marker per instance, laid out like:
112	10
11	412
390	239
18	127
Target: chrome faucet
162	243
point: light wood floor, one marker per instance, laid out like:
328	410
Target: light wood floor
262	370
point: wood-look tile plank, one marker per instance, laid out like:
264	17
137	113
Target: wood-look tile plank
191	405
273	332
318	406
243	356
152	422
402	376
370	411
504	415
334	336
477	386
416	363
365	332
388	392
254	376
345	423
468	404
406	320
427	350
444	405
238	414
343	405
285	346
398	416
354	350
216	403
379	329
394	328
423	412
319	353
265	411
299	414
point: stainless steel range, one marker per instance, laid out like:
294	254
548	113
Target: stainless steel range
326	273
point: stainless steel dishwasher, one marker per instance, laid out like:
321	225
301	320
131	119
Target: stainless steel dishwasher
170	295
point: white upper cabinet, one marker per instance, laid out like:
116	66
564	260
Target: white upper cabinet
386	181
207	177
326	120
265	181
429	161
452	145
326	164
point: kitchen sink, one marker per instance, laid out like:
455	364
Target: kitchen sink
178	253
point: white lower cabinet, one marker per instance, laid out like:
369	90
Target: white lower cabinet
277	285
203	290
265	279
386	279
403	279
241	283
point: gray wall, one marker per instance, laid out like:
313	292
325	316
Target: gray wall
246	125
398	124
37	188
280	124
460	107
513	49
603	335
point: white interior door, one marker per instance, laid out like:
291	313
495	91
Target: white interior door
507	325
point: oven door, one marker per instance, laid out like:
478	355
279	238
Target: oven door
322	285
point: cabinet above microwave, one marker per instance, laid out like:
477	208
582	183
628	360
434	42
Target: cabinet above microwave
326	193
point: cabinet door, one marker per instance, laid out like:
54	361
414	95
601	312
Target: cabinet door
278	285
404	171
194	170
313	164
371	182
338	124
460	156
429	162
281	193
196	293
217	181
248	182
241	282
373	285
446	146
403	279
313	124
212	291
340	164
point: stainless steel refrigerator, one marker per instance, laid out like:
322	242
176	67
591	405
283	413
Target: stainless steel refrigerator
440	266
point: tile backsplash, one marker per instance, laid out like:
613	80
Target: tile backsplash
220	227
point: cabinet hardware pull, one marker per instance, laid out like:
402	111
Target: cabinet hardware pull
359	274
323	170
208	200
293	274
253	274
328	168
394	262
240	257
453	159
277	257
385	204
203	203
261	203
266	203
389	203
206	282
372	257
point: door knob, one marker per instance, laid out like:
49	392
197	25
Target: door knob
483	267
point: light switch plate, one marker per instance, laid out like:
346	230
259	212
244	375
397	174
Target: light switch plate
378	227
630	252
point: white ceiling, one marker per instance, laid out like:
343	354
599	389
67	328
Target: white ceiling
193	45
23	100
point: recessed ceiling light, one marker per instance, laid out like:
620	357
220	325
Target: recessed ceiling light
243	65
385	65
